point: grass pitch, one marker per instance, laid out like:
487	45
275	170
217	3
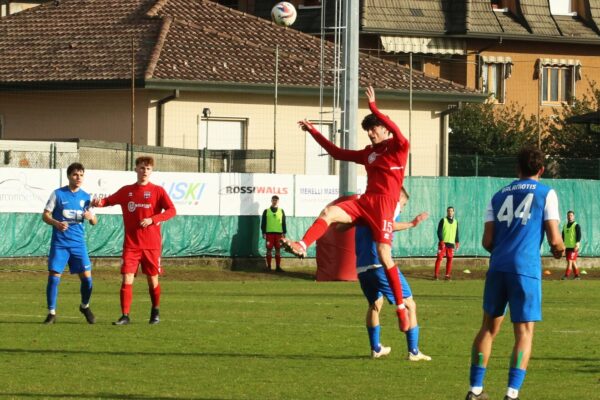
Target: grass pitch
268	336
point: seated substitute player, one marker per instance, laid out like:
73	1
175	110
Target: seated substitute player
144	207
385	161
515	222
374	285
66	210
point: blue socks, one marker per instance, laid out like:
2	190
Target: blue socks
412	340
86	290
477	375
516	376
374	337
52	291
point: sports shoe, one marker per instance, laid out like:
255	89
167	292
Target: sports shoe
154	317
278	269
473	396
383	351
436	278
418	357
447	278
564	278
507	397
124	320
577	278
50	319
293	247
89	316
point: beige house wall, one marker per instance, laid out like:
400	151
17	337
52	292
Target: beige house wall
181	125
106	115
97	115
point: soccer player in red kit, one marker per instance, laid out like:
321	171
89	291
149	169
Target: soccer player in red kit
385	161
144	207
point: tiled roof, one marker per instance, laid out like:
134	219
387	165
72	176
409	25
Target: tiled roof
181	40
403	15
537	13
530	18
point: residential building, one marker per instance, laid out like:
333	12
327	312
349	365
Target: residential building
194	74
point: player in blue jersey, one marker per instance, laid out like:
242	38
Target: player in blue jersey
66	210
375	286
515	222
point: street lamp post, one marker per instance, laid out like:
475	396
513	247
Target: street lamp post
206	114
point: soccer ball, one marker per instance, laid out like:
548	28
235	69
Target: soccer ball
284	14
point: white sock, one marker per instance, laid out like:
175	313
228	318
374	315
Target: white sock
476	390
53	312
85	305
512	393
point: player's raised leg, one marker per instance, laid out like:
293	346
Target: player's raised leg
384	251
329	215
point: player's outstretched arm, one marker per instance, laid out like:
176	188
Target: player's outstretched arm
387	122
557	246
401	226
334	151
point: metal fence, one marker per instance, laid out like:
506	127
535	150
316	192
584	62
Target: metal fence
556	167
95	154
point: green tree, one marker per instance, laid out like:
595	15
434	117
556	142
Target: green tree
491	130
574	140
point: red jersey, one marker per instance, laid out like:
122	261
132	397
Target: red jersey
385	162
138	202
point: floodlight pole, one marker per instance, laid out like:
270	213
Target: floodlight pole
132	138
350	94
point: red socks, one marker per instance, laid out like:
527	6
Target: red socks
277	261
449	266
393	278
155	296
269	258
316	230
126	296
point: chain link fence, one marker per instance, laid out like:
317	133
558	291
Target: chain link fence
556	167
94	154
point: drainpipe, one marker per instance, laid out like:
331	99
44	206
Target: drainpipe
160	116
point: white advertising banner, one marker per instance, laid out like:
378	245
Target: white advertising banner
26	190
192	193
250	194
313	193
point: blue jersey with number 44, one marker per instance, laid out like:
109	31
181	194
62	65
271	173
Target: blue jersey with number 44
67	206
519	211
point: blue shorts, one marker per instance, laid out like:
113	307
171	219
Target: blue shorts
374	284
76	257
523	294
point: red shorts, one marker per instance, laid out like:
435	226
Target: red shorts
149	259
571	254
376	211
272	240
445	252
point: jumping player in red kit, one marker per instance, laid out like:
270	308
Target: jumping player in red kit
385	161
144	207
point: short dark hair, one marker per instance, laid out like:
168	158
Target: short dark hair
75	167
370	122
146	160
449	207
530	161
405	192
275	197
570	212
